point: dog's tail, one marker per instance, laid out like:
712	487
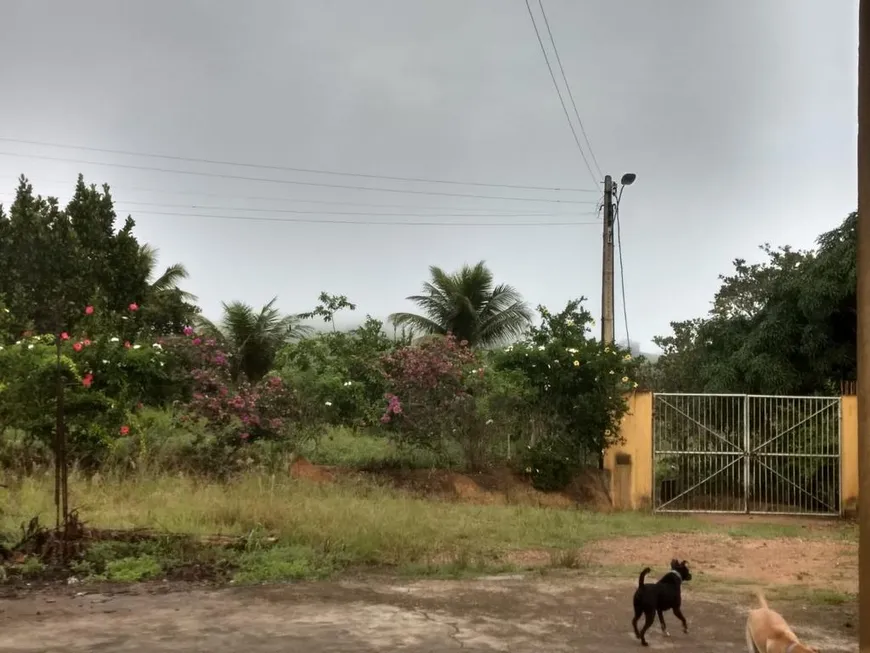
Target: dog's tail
642	576
760	596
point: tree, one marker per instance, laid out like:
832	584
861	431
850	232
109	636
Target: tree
468	305
55	261
253	338
784	326
166	308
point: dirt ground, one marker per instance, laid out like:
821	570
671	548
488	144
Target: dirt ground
513	614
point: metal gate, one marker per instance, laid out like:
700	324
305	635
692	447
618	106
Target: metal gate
746	453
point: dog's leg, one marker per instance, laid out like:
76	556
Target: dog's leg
662	622
637	612
679	615
648	621
750	644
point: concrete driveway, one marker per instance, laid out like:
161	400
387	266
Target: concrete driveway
514	614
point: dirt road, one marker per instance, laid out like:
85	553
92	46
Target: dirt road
514	614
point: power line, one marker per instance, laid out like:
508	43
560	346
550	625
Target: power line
314	171
201	207
622	278
130	166
559	93
568	88
290	200
368	222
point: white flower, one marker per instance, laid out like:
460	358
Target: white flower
114	339
328	403
347	383
5	310
105	362
161	363
157	345
576	363
137	346
30	346
635	385
612	372
488	422
17	342
571	350
509	348
569	322
1	347
541	347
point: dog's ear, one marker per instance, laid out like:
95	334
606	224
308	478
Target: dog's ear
675	563
684	563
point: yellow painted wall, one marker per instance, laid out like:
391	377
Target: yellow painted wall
849	454
636	431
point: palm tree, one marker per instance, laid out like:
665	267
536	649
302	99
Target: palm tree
253	338
169	280
468	305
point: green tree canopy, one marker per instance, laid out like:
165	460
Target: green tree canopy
468	304
784	326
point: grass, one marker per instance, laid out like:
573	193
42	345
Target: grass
322	528
356	449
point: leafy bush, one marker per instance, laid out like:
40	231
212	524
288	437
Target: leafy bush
437	394
337	375
576	389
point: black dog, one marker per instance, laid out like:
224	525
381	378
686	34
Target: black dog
652	600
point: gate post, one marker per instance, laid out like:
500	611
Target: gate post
747	444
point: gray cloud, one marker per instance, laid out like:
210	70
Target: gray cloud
738	117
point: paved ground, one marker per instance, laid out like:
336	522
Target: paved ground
511	614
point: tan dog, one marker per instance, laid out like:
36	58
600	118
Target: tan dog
768	632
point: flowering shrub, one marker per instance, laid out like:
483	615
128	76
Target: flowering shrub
338	375
28	388
578	391
244	411
437	393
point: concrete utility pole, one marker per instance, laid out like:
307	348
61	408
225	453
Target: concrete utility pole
863	300
607	266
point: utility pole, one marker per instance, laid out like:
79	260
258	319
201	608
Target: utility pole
863	301
607	266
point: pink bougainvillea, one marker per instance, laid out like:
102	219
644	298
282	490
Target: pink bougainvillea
431	387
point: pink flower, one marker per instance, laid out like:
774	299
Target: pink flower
188	331
197	341
89	310
77	346
133	306
64	336
87	379
125	430
127	344
87	342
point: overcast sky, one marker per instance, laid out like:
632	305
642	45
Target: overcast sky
738	116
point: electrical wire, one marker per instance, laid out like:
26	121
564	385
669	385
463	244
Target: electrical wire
198	173
391	223
314	171
622	273
568	88
289	200
201	207
559	93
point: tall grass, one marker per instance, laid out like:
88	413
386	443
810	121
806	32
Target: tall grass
360	522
